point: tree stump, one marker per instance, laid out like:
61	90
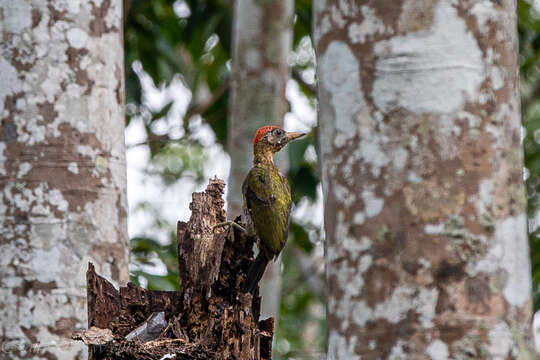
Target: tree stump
210	318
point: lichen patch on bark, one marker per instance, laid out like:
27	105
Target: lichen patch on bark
417	63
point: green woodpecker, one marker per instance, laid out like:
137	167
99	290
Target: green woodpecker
267	200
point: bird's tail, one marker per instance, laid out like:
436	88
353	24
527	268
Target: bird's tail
255	272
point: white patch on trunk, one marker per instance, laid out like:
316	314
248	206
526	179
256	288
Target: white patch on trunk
372	153
56	199
399	158
341	347
421	300
74	6
411	68
337	17
373	205
343	195
86	150
486	192
509	251
370	25
497	78
397	352
361	313
77	38
17	16
413	177
354	246
246	26
24	168
322	29
483	200
44	264
252	59
359	218
484	11
9	76
52	86
403	299
432	229
340	76
501	340
437	350
73	167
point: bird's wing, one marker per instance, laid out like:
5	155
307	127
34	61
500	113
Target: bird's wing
268	201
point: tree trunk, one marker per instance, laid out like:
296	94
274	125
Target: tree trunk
422	172
62	167
262	33
210	319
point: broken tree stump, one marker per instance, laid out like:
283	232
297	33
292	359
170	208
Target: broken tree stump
210	318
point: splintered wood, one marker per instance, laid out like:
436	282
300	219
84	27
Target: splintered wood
209	319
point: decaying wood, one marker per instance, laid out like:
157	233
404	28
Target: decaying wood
210	318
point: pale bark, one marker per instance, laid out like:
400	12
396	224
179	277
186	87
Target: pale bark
262	33
422	174
62	167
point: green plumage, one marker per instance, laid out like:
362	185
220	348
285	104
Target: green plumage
268	201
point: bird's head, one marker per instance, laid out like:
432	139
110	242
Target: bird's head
272	139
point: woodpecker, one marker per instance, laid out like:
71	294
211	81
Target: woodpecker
267	200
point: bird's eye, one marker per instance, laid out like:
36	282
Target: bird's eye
278	132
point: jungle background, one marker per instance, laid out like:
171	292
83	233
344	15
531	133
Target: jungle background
178	65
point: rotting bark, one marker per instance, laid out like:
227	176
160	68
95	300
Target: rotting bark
210	318
422	174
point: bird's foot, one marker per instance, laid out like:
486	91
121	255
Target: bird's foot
230	223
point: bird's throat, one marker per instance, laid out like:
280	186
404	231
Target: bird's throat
264	157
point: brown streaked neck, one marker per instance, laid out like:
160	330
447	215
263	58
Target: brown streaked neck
263	155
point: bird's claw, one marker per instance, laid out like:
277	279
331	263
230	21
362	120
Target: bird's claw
230	223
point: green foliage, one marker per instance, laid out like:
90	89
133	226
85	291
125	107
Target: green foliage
303	173
301	330
191	39
147	251
302	25
177	159
300	237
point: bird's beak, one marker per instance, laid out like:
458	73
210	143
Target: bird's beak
294	135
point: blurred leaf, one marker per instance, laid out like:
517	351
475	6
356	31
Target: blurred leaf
157	282
304	182
302	25
299	310
296	151
301	237
144	245
178	159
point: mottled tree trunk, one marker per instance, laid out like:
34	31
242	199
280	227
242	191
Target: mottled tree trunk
262	33
422	172
62	167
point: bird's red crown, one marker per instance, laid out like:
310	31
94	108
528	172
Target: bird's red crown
261	132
